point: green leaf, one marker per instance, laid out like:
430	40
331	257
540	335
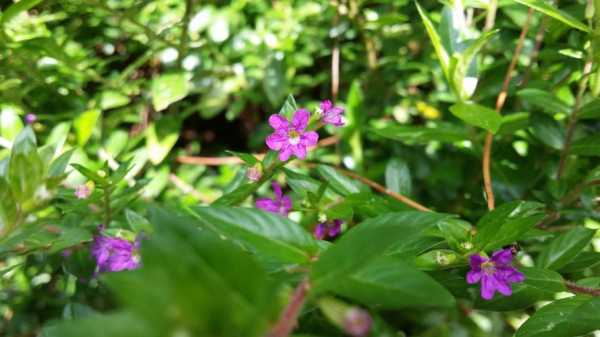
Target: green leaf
441	132
301	183
463	82
59	165
339	182
591	110
25	168
275	82
16	8
564	248
544	100
85	124
568	317
391	283
477	115
167	89
539	285
436	41
548	131
267	234
111	99
513	122
10	123
507	223
289	107
367	241
397	177
161	136
564	17
588	146
237	196
582	261
247	158
8	208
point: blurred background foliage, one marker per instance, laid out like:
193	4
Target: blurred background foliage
132	86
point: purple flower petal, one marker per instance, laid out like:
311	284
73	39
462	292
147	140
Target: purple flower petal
320	231
267	204
473	276
277	190
335	228
503	288
286	204
309	138
299	151
300	119
278	122
277	140
326	105
488	286
502	257
285	153
476	261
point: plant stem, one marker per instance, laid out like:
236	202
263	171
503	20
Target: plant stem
487	148
183	39
490	18
289	317
576	288
107	208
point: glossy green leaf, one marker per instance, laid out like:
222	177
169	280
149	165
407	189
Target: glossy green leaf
397	177
568	317
544	100
562	16
588	146
167	89
548	131
442	132
301	183
507	223
339	182
275	82
247	158
539	285
477	115
84	125
514	122
8	207
582	261
289	107
436	41
565	248
391	283
10	123
464	82
25	168
161	136
267	234
367	241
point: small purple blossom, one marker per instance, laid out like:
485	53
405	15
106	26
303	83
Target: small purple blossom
327	229
333	115
357	322
495	273
291	138
280	205
115	254
30	118
82	191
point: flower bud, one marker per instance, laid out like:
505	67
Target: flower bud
254	173
357	322
30	118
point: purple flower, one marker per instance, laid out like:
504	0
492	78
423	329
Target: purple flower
280	205
115	254
254	173
326	229
30	118
333	115
291	139
495	273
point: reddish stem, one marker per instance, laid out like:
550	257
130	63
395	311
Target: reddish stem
289	317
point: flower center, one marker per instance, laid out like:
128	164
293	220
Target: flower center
294	137
488	267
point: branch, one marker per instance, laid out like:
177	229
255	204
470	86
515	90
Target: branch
289	317
576	288
487	148
183	39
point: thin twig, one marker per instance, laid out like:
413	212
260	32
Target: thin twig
587	68
289	317
539	38
576	288
183	39
487	149
570	197
490	18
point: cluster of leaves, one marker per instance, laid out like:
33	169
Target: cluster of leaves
124	91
